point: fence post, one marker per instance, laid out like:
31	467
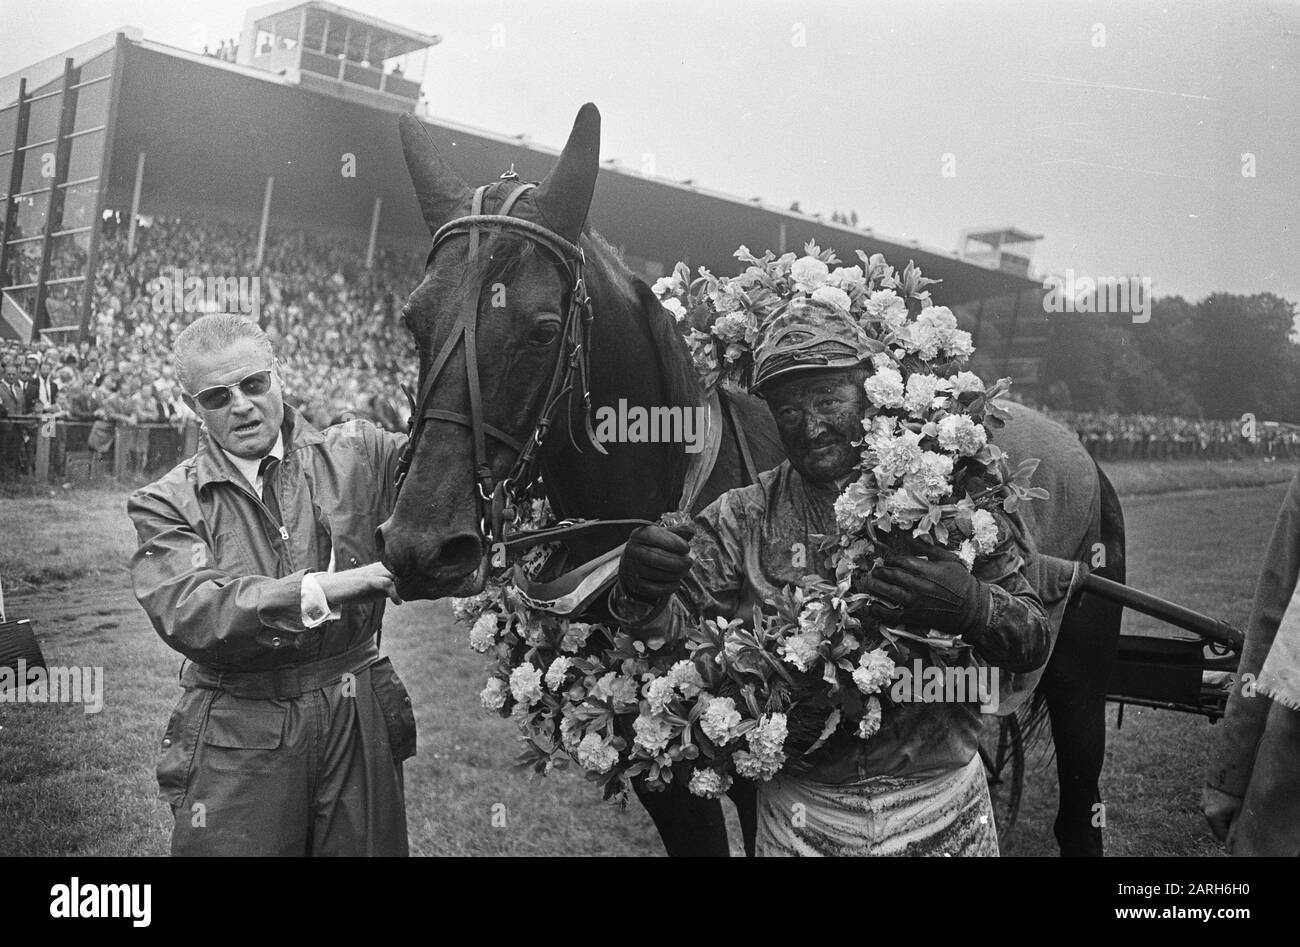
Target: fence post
44	438
119	452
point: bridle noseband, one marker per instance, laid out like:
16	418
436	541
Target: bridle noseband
570	373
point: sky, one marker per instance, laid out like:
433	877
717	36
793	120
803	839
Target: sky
1159	140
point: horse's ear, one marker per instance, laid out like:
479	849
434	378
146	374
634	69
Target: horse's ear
564	197
669	347
439	189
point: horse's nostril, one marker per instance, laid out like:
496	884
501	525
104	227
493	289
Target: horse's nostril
459	551
379	541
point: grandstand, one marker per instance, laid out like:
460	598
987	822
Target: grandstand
294	133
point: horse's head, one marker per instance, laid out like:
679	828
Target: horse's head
505	294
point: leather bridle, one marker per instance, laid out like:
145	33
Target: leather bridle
570	373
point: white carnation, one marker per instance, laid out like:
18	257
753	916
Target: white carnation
851	508
767	740
933	478
556	672
526	684
808	273
881	427
709	784
885	304
686	678
615	689
964	382
846	277
938	317
752	766
958	344
925	341
484	633
966	553
731	327
720	720
652	733
833	296
875	671
923	390
801	650
884	388
897	456
675	307
659	692
596	755
494	695
958	433
986	531
664	285
904	510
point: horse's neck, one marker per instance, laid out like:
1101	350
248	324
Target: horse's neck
631	479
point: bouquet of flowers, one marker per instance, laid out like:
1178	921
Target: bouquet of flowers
727	699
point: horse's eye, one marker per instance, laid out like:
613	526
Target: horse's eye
544	331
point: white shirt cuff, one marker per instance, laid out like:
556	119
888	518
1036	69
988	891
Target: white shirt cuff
315	606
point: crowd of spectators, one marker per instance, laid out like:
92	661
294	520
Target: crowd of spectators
1109	436
334	324
342	352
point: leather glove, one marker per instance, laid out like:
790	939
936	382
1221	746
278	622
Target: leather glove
654	563
931	588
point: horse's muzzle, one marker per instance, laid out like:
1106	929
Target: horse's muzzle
427	567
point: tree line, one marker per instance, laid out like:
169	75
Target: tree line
1222	357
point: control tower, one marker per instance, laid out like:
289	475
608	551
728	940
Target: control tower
1005	248
326	48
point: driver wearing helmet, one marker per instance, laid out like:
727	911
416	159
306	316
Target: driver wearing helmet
917	786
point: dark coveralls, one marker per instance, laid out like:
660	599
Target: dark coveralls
286	740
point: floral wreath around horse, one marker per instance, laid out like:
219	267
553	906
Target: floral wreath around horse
734	700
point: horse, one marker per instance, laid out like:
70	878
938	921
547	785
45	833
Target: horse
526	317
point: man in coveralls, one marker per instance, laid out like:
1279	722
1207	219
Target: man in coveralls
257	562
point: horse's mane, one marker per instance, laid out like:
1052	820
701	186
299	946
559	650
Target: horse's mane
676	368
612	285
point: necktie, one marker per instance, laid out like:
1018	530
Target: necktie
270	470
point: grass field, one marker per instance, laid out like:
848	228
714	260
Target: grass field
75	783
1140	477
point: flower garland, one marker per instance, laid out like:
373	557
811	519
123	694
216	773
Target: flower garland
727	700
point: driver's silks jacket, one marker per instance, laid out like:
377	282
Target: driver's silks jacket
221	581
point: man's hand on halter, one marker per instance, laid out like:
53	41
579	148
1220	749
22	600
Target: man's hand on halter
936	591
654	563
362	584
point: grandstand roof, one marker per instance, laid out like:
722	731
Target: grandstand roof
213	131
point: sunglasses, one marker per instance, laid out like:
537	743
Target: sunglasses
218	396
